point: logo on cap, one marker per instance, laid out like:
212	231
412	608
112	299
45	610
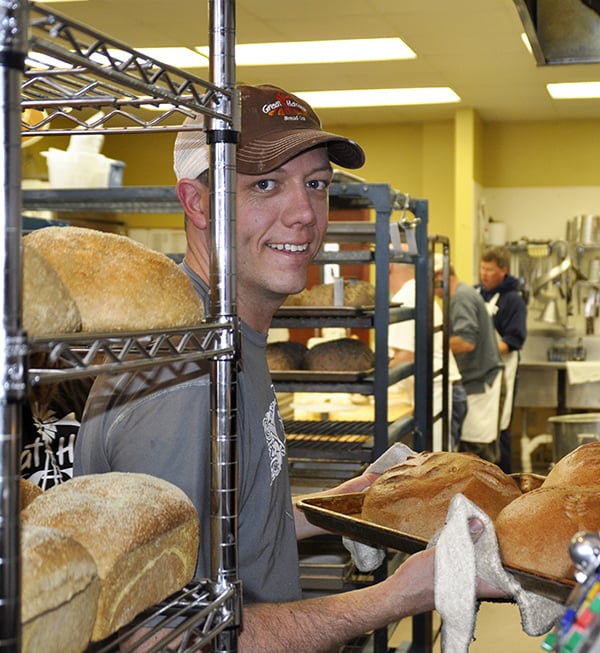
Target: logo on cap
287	106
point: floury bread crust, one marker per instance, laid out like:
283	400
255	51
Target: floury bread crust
579	467
356	293
413	497
48	306
117	283
141	531
535	530
59	592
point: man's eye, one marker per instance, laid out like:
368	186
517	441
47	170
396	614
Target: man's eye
265	184
318	184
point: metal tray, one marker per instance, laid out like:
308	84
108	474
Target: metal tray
329	311
321	376
341	514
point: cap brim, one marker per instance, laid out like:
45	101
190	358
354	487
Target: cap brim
264	155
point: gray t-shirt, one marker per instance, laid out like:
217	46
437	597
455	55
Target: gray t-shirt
157	421
470	320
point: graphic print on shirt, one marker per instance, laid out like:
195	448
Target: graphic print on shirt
275	445
47	459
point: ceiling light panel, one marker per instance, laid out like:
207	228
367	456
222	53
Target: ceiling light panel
574	90
310	52
379	97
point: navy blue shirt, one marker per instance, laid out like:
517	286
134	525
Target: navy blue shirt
510	318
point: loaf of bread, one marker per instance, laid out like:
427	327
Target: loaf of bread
59	592
117	283
534	531
286	355
579	467
413	497
28	492
343	354
48	306
141	531
357	293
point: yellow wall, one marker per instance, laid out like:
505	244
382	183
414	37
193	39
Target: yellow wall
560	153
416	158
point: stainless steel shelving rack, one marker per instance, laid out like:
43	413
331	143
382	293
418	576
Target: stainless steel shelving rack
398	220
67	71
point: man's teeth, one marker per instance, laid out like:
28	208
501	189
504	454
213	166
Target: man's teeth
287	247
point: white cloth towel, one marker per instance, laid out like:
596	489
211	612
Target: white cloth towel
583	371
459	561
365	557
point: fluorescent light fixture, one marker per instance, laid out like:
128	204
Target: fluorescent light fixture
176	56
574	90
305	52
526	42
381	97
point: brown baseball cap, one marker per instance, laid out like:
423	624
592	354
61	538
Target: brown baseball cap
276	126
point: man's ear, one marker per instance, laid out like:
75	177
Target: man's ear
193	197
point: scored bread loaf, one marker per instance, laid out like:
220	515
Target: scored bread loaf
59	592
413	497
48	306
343	354
535	530
579	467
141	531
117	283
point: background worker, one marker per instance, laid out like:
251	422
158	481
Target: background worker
508	310
473	343
401	342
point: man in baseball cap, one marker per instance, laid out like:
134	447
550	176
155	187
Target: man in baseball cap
276	126
159	422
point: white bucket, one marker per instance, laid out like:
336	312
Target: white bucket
82	169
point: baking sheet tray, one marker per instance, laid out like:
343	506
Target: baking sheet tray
328	311
322	376
341	514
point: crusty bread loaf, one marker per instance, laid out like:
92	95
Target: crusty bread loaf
48	306
286	355
117	283
413	497
59	592
579	467
343	354
535	530
28	492
356	293
141	531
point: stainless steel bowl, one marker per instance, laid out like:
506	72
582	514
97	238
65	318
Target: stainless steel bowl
570	431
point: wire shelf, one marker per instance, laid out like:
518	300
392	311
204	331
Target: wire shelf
71	67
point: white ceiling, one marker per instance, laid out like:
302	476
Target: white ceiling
473	46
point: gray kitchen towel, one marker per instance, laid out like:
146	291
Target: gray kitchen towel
459	561
366	557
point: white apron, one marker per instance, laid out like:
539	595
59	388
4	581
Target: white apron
511	364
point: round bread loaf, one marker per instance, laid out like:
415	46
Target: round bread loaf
356	293
535	530
286	355
579	467
59	592
117	283
141	531
28	492
413	497
341	355
48	306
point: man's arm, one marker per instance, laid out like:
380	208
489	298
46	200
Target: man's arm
459	346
